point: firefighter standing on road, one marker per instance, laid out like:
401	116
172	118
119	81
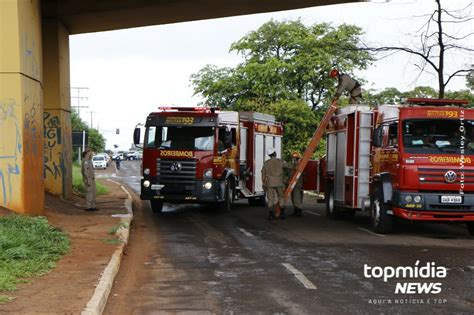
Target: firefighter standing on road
297	193
346	83
88	178
272	179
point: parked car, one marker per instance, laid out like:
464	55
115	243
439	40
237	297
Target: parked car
107	157
99	161
134	155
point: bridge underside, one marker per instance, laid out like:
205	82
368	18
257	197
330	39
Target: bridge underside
35	121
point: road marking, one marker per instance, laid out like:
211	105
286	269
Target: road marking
245	232
313	213
300	276
371	232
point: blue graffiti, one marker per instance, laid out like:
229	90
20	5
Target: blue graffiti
9	153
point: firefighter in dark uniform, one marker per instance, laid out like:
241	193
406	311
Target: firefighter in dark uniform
348	84
297	193
273	183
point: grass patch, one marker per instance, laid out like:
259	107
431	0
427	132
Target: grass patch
29	247
114	230
4	299
112	241
78	184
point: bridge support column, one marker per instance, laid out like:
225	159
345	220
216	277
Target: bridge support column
21	110
57	109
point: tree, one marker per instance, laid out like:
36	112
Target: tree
96	140
283	61
470	78
435	45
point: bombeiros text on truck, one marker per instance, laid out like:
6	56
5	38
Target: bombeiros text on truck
411	161
205	155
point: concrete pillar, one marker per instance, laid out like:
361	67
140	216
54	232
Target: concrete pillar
21	109
57	109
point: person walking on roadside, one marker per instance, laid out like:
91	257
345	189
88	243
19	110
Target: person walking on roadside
272	179
88	178
348	84
297	193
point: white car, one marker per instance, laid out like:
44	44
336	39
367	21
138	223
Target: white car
99	161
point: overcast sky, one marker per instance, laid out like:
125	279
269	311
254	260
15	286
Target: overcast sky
131	72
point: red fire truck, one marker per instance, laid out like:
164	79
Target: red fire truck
412	161
204	155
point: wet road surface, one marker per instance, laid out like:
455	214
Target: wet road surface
200	260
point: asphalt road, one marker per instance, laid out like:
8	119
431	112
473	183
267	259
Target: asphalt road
200	260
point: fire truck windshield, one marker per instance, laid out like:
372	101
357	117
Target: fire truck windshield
438	136
180	138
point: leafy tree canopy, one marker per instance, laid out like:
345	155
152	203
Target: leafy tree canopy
283	61
96	140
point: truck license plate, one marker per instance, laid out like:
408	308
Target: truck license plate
451	199
157	187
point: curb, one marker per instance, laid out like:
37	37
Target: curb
96	304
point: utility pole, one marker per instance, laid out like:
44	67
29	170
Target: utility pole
79	98
91	117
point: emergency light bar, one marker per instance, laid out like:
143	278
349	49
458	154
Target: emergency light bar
188	109
436	102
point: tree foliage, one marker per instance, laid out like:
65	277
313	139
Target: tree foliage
96	140
283	61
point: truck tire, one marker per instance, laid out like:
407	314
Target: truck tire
470	227
229	196
382	222
156	206
332	211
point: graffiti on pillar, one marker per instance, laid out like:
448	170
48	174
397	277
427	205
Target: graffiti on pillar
53	161
10	150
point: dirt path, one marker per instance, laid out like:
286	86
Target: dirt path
68	287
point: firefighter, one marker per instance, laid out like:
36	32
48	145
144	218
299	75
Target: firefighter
88	178
297	193
346	83
272	179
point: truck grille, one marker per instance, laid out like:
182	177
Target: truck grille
433	175
176	171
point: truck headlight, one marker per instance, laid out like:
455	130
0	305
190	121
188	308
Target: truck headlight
146	183
208	173
417	199
146	171
408	198
208	185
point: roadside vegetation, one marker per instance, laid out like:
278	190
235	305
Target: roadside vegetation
29	247
78	184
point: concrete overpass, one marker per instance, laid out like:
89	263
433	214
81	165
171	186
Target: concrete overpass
35	124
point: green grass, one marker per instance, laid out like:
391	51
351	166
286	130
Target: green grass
29	247
112	241
114	230
78	184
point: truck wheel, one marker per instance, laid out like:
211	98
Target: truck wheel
331	210
229	196
156	206
382	222
470	227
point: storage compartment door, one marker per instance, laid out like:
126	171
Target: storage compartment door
268	144
259	149
243	144
278	147
340	166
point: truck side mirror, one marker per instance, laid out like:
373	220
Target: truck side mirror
136	136
377	137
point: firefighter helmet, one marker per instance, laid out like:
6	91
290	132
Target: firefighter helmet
296	155
334	73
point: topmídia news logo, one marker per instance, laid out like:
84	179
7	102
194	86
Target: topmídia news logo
417	279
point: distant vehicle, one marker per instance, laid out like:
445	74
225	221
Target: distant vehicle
140	155
99	161
134	155
119	156
107	157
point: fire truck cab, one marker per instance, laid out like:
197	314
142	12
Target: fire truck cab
204	155
411	161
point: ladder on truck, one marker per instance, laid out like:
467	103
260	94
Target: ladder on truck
308	152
